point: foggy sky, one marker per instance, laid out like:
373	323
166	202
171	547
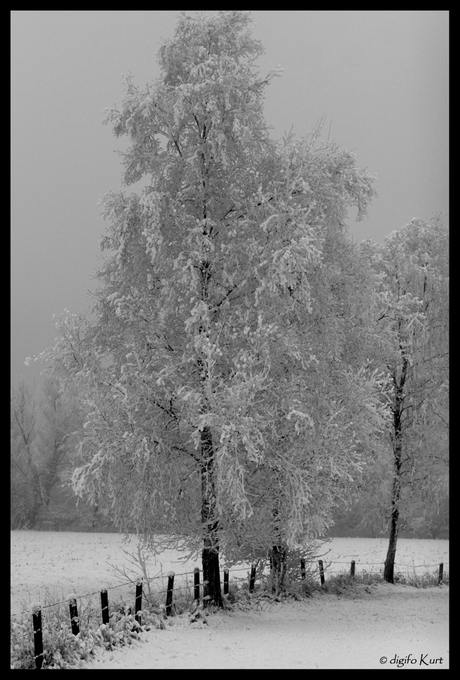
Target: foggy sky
379	77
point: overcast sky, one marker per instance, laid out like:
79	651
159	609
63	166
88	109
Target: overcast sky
379	77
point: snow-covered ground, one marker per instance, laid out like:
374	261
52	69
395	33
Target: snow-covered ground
370	627
374	628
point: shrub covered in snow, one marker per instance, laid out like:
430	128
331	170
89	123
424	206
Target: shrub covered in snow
62	649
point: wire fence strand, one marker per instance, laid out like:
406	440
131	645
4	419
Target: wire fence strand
326	567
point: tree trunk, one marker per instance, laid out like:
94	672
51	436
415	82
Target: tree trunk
210	553
388	573
35	505
278	554
278	569
52	467
212	593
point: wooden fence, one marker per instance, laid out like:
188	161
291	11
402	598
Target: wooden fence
197	588
105	613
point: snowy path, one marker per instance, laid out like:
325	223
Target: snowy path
326	631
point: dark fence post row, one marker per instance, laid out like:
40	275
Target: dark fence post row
74	620
321	570
352	570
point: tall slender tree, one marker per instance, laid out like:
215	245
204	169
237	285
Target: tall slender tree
412	332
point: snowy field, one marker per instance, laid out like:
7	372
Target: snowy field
406	625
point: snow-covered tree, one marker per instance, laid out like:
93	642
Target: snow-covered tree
213	404
412	331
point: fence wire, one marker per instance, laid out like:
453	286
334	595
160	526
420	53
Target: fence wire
130	583
326	568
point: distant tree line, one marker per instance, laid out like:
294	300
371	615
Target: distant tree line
42	496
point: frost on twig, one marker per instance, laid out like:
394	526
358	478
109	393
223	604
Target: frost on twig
139	570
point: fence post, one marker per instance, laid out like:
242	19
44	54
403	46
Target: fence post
196	584
352	569
105	606
226	572
74	615
252	578
169	593
321	571
302	569
440	575
138	602
38	637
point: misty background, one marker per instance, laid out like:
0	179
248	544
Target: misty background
380	79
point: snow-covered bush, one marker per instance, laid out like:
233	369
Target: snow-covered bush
62	649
